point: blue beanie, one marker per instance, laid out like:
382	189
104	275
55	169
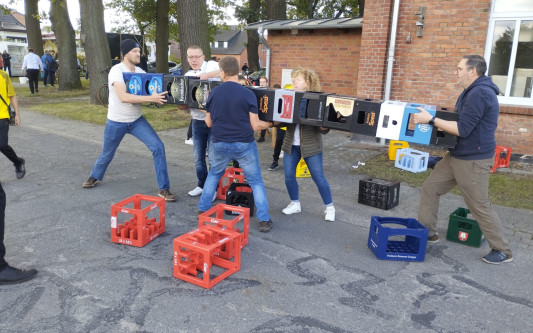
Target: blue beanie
127	45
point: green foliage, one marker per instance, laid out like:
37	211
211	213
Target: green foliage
307	9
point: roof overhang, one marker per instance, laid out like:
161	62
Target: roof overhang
339	23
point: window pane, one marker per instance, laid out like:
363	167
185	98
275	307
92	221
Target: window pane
502	46
523	71
501	6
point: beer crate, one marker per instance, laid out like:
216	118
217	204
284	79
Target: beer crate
416	133
379	193
464	230
390	120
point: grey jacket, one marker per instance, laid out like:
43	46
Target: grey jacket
310	139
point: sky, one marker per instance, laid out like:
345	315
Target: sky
74	12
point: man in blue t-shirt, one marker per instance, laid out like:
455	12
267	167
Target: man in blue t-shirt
232	117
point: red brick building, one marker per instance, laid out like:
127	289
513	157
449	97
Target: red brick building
351	55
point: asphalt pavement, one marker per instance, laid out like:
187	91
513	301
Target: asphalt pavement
306	275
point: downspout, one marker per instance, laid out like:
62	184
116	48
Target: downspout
265	43
392	48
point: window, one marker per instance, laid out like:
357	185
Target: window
509	50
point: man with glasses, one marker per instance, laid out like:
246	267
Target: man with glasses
468	164
201	133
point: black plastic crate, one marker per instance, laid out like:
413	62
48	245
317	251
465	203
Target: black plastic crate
265	102
366	113
310	108
441	138
379	193
339	113
240	195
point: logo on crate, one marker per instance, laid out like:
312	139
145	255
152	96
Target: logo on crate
134	86
370	118
154	86
463	236
287	107
263	104
424	128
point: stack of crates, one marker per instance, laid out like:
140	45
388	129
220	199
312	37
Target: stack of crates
379	193
463	230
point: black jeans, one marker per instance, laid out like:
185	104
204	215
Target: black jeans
5	148
33	79
280	135
3	263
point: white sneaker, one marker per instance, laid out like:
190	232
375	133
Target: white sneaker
196	192
293	207
189	142
215	196
330	213
281	154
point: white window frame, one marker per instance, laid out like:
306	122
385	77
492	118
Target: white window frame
518	17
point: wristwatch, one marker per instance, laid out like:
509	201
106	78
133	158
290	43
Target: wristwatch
432	121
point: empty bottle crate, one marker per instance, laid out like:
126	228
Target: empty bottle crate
502	158
394	145
390	120
379	193
240	195
406	243
463	230
231	175
309	107
339	113
197	260
441	138
411	160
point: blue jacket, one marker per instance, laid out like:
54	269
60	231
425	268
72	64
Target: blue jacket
478	110
50	59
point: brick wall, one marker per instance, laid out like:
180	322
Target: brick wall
332	53
424	69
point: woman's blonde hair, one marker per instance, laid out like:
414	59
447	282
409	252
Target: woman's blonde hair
310	76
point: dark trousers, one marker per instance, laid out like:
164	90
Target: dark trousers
3	263
8	69
5	148
49	77
189	131
33	79
280	135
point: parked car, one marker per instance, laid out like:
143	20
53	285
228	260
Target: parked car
172	67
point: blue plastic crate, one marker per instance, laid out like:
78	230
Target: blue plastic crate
416	133
134	83
411	248
411	160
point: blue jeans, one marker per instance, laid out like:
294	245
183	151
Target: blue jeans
201	137
142	130
314	163
246	154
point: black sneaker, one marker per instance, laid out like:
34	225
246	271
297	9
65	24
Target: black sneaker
273	166
433	239
21	169
261	139
90	182
497	257
12	275
265	226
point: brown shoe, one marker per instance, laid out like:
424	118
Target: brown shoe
167	195
90	182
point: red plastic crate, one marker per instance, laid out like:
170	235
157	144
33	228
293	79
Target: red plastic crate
216	217
144	224
502	158
232	175
197	256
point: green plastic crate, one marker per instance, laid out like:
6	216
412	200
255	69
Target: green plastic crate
464	230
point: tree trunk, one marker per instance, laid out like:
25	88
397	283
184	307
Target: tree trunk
94	42
361	8
253	38
193	25
276	9
33	27
161	36
69	77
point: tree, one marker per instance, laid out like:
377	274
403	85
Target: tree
66	45
33	26
310	9
193	28
161	36
250	12
94	42
276	9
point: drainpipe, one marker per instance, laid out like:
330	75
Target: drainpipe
392	47
265	43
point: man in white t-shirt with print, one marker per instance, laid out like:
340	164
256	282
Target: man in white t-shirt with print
201	134
124	116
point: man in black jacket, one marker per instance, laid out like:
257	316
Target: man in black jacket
468	163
